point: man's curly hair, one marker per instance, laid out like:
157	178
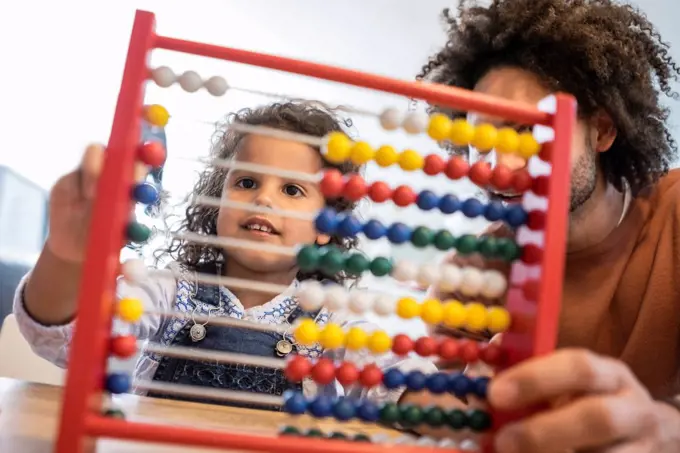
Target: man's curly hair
302	117
607	55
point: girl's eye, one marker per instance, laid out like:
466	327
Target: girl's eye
292	190
245	183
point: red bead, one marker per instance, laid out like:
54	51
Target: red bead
434	164
469	351
347	373
540	185
124	346
355	188
404	196
532	254
536	220
501	177
297	369
530	290
546	152
370	376
332	184
379	192
456	168
480	173
402	344
521	181
491	354
449	349
152	153
323	371
426	346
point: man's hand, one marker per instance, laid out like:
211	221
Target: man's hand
596	404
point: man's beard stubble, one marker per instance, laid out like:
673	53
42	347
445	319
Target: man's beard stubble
583	178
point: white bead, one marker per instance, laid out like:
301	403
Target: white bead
190	81
469	445
495	284
336	298
384	305
447	443
426	442
216	85
311	295
415	122
428	274
360	302
390	119
472	282
450	278
134	271
163	76
405	271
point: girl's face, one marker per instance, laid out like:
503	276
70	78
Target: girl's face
270	191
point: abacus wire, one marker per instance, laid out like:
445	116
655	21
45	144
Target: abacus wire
253	285
184	352
222	321
207	393
216	202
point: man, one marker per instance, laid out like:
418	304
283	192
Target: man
616	371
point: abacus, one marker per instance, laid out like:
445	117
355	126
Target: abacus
531	292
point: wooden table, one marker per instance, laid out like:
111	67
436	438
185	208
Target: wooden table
29	419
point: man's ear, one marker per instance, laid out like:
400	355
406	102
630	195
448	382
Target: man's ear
605	131
323	239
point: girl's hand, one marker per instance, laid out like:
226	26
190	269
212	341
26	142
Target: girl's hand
602	407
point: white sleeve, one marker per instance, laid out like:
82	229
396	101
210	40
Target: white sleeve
52	342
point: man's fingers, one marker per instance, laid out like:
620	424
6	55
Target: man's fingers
89	170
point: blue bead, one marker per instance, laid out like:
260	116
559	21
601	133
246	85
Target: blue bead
416	380
321	406
480	386
118	383
398	233
494	211
448	204
515	216
427	200
326	221
350	226
437	383
393	379
459	385
295	403
145	193
344	410
373	230
368	411
472	208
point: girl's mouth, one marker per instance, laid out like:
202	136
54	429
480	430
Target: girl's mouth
260	226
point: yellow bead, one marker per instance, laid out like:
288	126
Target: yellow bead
356	339
461	132
332	336
432	311
408	308
307	332
497	319
379	342
130	310
361	153
485	137
454	315
507	140
528	146
439	127
338	147
156	115
475	318
386	156
410	160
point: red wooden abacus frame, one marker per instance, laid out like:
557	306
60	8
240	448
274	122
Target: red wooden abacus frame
81	419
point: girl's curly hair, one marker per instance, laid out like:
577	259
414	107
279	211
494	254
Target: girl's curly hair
301	117
608	55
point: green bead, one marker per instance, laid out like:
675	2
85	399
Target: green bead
444	240
390	414
479	420
422	237
290	431
138	233
488	247
332	262
114	413
508	249
434	416
313	432
467	244
411	416
338	435
362	438
381	266
456	419
308	258
357	264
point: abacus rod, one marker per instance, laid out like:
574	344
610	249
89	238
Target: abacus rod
223	321
229	282
184	352
217	202
229	242
207	393
276	133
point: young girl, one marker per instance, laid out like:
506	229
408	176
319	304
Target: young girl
45	303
